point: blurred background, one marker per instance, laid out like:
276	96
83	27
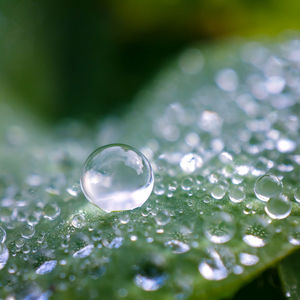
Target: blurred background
86	59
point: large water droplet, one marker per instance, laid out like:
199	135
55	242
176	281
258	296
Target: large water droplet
278	207
219	228
267	186
117	177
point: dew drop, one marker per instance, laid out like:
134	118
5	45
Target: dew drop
297	194
3	256
78	221
2	235
219	228
84	252
46	267
267	186
247	259
213	268
236	195
162	218
294	234
191	162
278	208
218	191
27	231
150	279
51	211
117	177
177	247
256	233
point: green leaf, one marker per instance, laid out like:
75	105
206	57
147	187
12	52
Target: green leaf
203	232
290	277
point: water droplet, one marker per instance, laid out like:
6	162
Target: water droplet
3	256
297	194
219	228
267	186
191	162
187	184
247	259
117	177
27	231
227	80
255	232
177	247
218	191
278	207
294	234
236	195
2	235
51	211
191	61
285	145
46	267
213	268
78	221
84	252
162	218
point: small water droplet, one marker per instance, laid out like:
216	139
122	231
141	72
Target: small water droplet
190	162
297	194
177	247
27	231
294	234
46	267
151	280
267	186
285	145
248	259
117	177
213	268
218	191
278	207
78	221
2	235
255	232
219	228
162	218
51	211
236	194
84	252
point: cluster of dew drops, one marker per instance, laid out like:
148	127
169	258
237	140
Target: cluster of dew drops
224	149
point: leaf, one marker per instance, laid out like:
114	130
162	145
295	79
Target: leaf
211	124
290	277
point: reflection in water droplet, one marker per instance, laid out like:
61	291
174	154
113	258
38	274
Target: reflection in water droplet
213	268
117	177
248	259
278	208
177	246
46	267
84	252
267	186
219	228
256	233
